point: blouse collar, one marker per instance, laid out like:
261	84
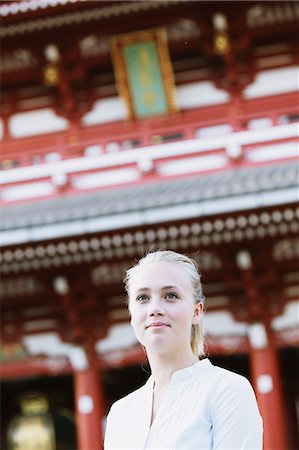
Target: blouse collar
186	372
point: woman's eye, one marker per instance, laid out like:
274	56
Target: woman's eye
171	296
142	298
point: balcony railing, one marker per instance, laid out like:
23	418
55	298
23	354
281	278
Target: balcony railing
118	137
203	140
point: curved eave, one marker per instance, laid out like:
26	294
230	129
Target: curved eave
198	196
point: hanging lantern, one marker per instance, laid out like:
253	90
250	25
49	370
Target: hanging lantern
51	75
221	39
33	429
221	43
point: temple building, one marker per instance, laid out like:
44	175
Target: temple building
129	126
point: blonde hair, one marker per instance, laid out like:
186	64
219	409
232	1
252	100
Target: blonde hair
191	268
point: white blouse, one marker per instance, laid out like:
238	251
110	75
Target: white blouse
205	408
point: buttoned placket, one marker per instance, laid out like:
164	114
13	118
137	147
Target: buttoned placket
176	378
153	428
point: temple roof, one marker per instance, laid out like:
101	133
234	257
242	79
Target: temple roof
152	202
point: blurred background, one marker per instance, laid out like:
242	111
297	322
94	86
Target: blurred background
129	126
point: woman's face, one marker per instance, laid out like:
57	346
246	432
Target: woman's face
162	307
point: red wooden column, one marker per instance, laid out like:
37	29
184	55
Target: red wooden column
89	395
264	362
267	384
89	411
6	132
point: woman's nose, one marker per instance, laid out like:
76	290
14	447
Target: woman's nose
156	308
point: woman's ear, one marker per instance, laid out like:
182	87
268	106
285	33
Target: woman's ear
197	313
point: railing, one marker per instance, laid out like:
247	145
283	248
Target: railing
88	160
118	137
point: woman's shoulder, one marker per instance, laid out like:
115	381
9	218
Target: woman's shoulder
226	376
130	399
218	381
229	386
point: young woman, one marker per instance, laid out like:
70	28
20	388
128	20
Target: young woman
187	403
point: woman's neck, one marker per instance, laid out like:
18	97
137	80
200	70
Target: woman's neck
163	367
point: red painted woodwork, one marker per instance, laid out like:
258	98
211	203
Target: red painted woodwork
72	142
38	366
89	409
265	373
264	362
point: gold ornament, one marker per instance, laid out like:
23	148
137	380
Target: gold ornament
221	43
51	75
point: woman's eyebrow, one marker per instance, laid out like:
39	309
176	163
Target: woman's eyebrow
170	287
164	288
142	289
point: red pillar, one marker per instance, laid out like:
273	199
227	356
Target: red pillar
267	383
263	358
89	409
6	131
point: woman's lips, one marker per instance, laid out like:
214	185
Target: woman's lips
157	325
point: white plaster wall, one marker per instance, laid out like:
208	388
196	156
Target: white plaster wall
190	95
